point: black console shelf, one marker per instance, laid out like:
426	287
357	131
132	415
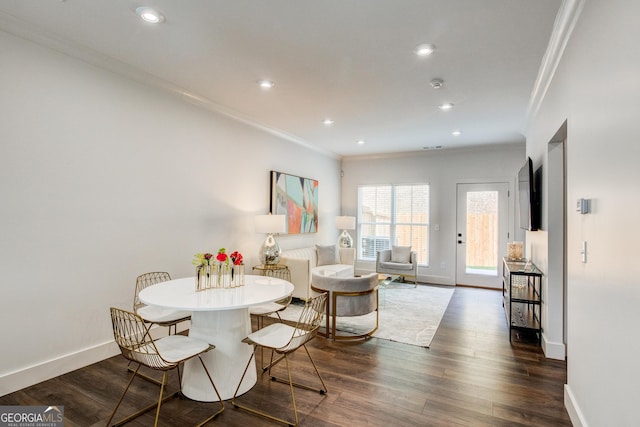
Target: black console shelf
522	296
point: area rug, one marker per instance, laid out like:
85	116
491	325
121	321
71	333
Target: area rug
408	315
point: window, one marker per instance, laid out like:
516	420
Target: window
393	215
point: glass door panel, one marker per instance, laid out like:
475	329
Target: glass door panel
481	240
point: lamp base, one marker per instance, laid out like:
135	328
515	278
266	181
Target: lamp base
345	240
270	251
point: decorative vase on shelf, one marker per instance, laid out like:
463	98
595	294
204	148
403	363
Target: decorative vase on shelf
514	251
237	275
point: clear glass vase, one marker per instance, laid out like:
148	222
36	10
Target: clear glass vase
223	276
237	275
204	277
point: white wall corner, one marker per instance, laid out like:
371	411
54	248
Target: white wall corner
573	409
553	350
17	380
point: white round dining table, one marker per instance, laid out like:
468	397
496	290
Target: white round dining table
219	317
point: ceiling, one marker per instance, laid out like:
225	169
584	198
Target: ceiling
349	60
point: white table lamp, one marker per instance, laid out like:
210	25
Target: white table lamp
270	224
345	223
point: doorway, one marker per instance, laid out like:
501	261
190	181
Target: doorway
555	337
482	233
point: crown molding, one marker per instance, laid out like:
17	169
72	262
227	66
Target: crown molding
26	31
563	26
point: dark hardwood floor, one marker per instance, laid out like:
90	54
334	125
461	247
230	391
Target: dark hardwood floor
470	376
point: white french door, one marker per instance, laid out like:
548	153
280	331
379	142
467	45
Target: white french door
482	233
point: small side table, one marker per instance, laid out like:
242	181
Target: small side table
279	271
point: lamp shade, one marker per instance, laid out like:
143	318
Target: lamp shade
346	222
269	224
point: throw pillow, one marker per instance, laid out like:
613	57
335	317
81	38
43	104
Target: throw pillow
401	254
326	254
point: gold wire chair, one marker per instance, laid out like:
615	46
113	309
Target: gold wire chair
262	311
164	354
284	339
156	315
265	310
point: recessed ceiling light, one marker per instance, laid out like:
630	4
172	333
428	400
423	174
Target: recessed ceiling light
456	133
150	15
360	142
446	106
425	49
266	84
328	122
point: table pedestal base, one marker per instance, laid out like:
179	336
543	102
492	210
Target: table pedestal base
225	329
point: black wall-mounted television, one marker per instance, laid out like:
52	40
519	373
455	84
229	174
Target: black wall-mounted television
529	196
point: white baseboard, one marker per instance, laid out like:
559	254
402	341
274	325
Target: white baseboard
25	377
17	380
553	350
573	409
435	280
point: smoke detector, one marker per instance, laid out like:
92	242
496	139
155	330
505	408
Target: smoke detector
437	83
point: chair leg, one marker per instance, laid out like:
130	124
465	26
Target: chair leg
327	331
144	376
217	394
146	408
293	398
135	372
322	390
324	387
260	323
334	304
164	380
261	413
271	362
246	368
288	381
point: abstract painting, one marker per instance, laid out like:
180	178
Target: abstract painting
297	198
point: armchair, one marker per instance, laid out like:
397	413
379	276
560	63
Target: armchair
399	261
347	296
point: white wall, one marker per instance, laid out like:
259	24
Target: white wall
103	178
596	89
442	169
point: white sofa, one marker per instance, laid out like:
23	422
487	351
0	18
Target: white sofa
303	262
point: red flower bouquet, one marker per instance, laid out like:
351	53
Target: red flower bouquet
236	258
